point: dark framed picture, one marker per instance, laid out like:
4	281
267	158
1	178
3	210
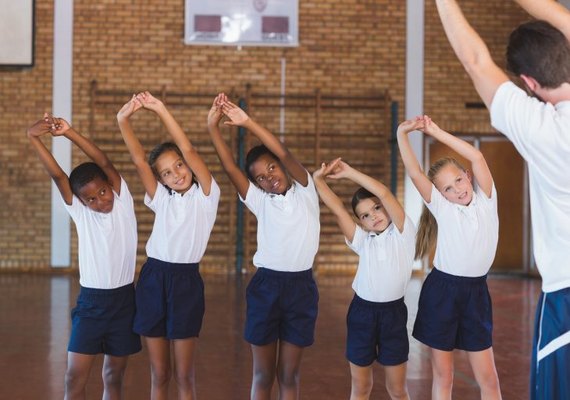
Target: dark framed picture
17	33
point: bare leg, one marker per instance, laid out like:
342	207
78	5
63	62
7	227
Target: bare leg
362	380
396	381
78	369
160	372
184	356
113	373
264	366
483	365
442	368
288	367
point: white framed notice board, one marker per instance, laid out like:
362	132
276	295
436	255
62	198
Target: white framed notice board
17	33
242	22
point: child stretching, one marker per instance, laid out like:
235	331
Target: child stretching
454	310
377	316
170	292
282	296
98	200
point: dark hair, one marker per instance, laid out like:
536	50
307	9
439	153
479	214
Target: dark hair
360	195
539	50
158	151
83	174
253	155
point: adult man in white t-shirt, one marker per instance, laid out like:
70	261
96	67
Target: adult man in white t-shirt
539	127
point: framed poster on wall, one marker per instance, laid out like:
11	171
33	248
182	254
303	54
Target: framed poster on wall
17	33
241	22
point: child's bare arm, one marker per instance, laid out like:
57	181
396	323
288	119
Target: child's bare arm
190	153
389	201
61	127
550	11
471	51
60	178
238	117
479	165
236	175
134	145
419	179
332	201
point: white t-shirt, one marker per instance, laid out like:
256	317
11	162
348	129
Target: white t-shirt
182	223
287	226
541	134
107	242
385	262
467	236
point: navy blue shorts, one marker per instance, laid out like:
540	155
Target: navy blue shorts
102	322
454	312
281	305
551	347
377	331
170	300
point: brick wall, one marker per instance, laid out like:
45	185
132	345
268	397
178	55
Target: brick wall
350	47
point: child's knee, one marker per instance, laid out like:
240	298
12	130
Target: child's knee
397	391
113	376
160	376
75	380
263	379
361	387
289	378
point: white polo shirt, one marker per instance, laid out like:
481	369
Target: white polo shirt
467	236
107	242
287	226
182	223
385	262
541	134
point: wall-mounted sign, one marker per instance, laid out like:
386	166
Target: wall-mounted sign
242	22
17	33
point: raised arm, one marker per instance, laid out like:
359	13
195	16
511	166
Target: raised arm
471	51
42	127
238	117
389	202
134	145
550	11
236	175
190	153
417	175
481	171
332	201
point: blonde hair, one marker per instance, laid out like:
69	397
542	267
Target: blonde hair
426	238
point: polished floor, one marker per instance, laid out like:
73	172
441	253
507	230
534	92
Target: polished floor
34	328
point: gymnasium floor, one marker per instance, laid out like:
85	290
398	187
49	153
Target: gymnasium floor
34	315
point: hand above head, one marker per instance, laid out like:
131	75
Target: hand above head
130	107
149	102
39	128
57	126
215	114
430	127
237	116
329	170
411	125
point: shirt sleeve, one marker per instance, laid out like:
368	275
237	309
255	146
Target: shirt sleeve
518	116
357	240
211	200
160	193
437	202
253	198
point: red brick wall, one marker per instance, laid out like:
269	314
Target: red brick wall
350	47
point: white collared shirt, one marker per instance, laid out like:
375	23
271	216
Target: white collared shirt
107	245
182	223
541	134
385	262
467	236
288	226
